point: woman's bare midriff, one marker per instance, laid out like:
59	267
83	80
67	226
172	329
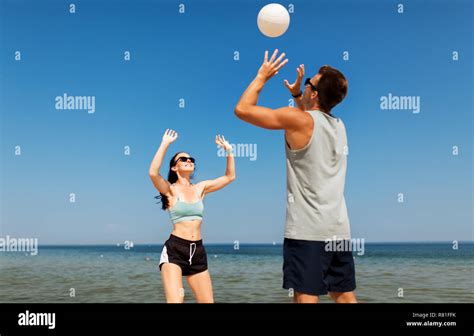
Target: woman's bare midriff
189	230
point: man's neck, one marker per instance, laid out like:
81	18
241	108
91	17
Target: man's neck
313	108
316	107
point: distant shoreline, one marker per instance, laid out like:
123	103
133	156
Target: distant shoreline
256	244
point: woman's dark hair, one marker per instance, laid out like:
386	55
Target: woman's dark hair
172	178
331	87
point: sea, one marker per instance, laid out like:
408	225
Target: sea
251	273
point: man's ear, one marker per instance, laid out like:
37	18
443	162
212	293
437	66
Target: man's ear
314	94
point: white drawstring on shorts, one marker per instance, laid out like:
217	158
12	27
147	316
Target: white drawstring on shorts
191	252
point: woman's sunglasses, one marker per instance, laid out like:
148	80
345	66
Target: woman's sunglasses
308	82
184	159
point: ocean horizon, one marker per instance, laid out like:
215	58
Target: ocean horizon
386	272
256	243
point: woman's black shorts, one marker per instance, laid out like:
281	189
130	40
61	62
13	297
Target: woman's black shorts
188	254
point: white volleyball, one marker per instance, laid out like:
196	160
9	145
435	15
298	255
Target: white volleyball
273	20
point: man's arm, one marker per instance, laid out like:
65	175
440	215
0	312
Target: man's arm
284	118
247	109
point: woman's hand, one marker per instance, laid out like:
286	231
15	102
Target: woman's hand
222	142
169	136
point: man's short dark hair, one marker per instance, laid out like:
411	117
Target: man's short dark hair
331	87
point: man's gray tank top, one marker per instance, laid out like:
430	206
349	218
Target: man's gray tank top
316	208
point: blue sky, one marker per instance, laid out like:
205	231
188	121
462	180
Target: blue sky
191	56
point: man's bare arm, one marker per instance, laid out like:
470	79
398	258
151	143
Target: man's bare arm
247	109
284	118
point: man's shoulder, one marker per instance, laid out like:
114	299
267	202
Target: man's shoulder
299	114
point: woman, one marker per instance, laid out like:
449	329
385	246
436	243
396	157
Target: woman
183	253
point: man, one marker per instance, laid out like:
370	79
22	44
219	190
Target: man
316	148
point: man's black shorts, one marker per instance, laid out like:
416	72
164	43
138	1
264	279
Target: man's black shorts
308	268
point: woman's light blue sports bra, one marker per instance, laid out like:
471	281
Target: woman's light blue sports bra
183	211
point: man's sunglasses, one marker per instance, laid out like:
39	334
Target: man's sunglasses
184	159
308	82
